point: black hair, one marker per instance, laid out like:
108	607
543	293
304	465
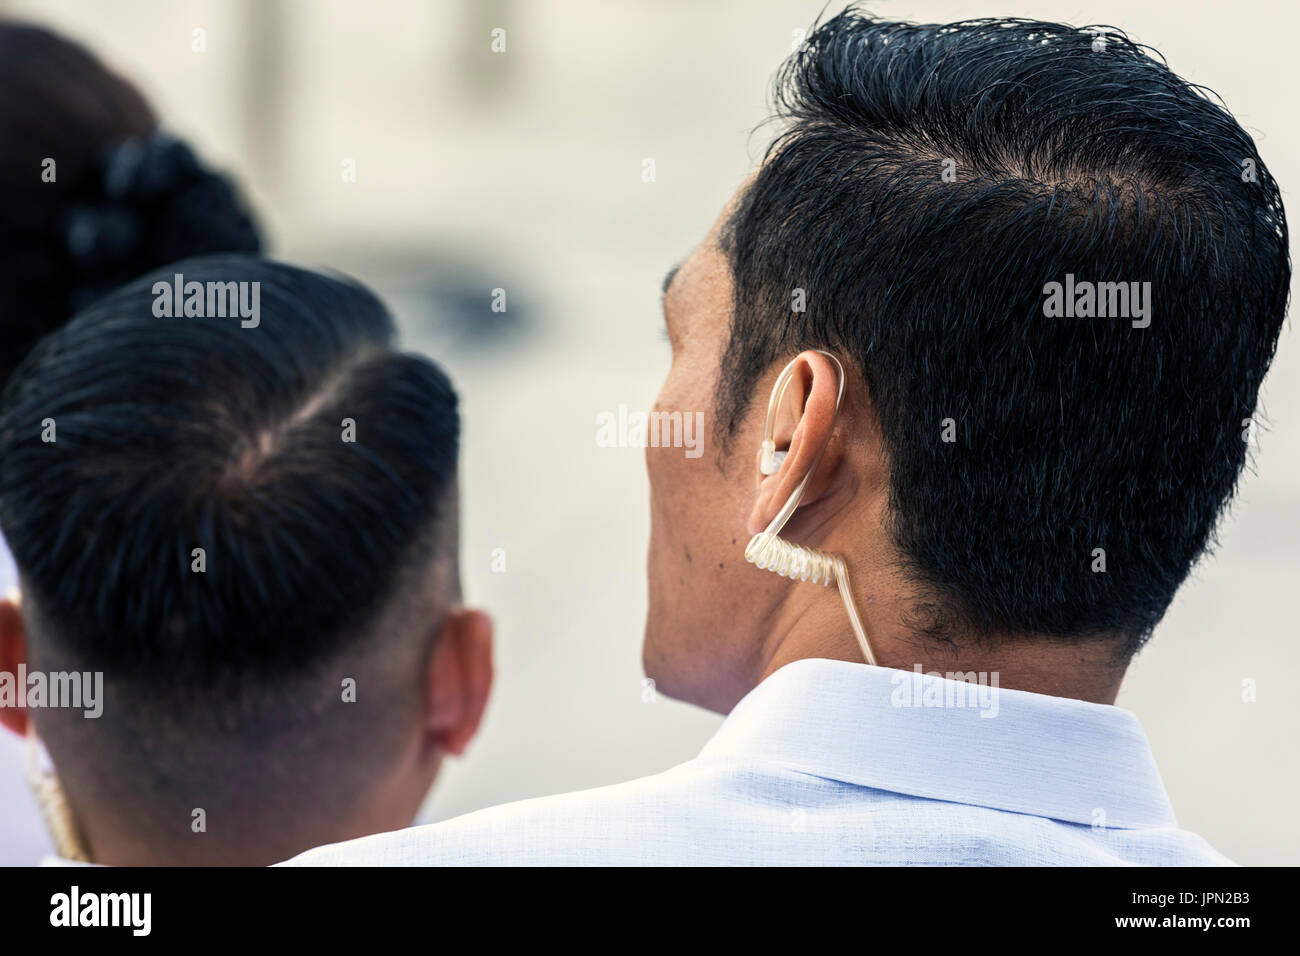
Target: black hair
930	182
94	195
313	464
171	434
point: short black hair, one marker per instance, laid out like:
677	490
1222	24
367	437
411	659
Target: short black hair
1068	152
172	434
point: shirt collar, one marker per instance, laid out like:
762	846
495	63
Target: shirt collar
948	740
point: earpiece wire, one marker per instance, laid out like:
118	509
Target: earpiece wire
767	550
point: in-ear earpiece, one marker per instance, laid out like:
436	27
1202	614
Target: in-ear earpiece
768	551
771	461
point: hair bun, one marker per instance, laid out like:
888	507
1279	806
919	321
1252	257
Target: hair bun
144	170
154	203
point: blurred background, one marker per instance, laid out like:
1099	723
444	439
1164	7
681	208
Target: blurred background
388	140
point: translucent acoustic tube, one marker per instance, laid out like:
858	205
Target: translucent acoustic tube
768	551
791	560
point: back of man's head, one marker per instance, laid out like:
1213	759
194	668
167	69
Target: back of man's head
1061	271
247	521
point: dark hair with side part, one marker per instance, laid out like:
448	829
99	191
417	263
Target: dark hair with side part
1072	155
172	434
68	236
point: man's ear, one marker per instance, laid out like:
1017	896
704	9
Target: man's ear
13	651
459	679
804	425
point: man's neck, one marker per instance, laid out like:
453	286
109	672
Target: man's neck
111	848
271	838
1090	670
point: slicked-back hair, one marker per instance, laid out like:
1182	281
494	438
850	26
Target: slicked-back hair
178	433
1073	155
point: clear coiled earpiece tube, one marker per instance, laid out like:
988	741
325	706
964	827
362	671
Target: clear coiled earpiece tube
770	552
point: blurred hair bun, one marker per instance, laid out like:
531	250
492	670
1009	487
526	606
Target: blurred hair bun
154	203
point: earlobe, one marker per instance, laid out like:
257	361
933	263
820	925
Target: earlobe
13	652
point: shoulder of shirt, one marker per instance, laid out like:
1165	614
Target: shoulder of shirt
609	824
726	812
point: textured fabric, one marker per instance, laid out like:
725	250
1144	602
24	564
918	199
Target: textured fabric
23	840
828	762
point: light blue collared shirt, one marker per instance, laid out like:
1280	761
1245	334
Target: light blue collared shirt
829	762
